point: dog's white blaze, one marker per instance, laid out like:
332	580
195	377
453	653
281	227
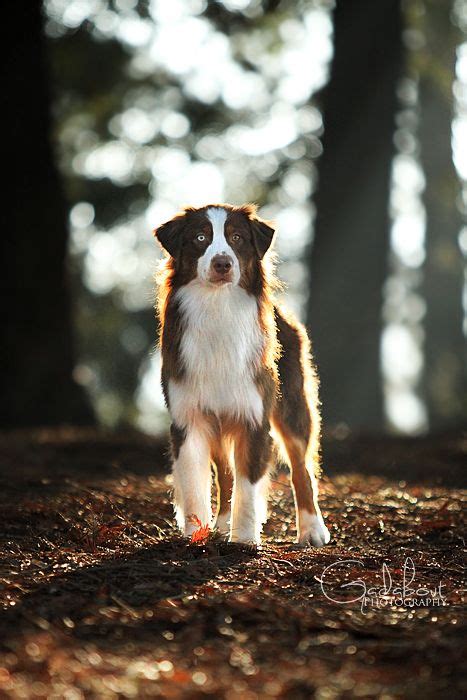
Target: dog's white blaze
249	509
220	349
219	245
192	481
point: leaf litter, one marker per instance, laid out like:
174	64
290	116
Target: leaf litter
101	597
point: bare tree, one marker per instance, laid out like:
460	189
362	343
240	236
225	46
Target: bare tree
349	254
37	364
445	346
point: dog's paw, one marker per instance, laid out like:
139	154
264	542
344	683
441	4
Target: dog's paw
250	548
312	529
192	524
245	537
223	524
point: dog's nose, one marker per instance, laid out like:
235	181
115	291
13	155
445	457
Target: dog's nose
222	263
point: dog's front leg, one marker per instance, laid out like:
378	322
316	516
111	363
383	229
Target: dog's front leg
192	478
249	500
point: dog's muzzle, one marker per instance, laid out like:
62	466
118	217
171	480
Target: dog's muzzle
221	269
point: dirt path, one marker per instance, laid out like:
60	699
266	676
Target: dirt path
101	598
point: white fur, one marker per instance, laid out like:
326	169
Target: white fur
192	481
219	246
249	509
311	528
223	523
220	350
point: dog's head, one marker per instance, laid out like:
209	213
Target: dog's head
217	244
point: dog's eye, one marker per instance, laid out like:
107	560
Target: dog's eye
201	237
235	237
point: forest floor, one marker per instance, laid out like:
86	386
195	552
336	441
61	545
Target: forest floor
100	597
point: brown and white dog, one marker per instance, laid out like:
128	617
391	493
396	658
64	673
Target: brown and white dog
235	368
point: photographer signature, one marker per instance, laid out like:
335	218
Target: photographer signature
404	593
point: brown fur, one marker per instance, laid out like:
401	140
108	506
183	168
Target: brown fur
224	476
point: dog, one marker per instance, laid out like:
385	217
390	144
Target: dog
237	375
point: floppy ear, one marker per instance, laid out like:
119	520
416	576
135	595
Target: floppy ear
262	236
169	235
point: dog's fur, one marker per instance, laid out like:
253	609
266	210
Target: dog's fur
235	370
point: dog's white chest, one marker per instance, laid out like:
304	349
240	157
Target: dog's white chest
220	350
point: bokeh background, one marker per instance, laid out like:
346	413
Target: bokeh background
345	122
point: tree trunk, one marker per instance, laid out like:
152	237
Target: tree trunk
445	345
350	249
37	364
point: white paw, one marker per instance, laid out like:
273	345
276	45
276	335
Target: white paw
245	536
223	524
189	528
191	524
312	530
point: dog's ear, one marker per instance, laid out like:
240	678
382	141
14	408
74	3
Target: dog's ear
263	234
169	235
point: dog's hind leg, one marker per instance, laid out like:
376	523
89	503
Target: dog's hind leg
253	448
310	525
224	481
297	421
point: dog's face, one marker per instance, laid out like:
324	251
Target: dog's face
217	244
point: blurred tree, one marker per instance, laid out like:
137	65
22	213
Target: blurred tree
219	70
189	95
349	255
37	365
86	101
445	379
